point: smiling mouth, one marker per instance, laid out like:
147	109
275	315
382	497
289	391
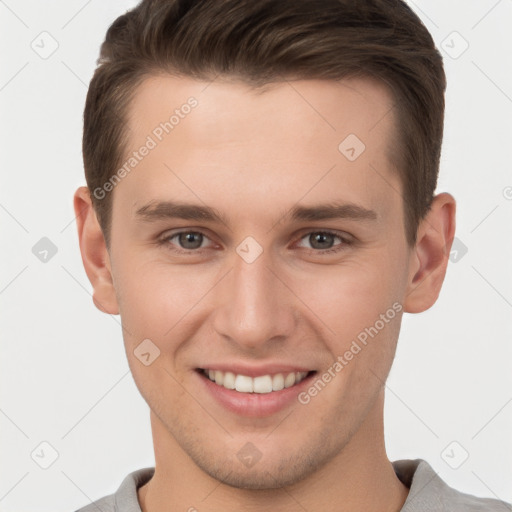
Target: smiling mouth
261	384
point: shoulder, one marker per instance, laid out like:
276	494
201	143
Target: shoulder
125	498
428	491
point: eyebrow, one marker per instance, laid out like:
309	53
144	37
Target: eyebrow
162	210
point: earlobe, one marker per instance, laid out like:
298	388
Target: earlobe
94	252
429	258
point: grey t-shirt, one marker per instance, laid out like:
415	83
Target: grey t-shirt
427	492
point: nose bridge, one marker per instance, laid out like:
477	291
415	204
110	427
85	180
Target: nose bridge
253	308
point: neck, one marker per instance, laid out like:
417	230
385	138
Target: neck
357	479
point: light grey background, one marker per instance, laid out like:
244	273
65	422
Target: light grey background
64	375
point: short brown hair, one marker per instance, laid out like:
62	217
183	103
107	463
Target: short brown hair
265	41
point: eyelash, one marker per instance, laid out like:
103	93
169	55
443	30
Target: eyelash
345	241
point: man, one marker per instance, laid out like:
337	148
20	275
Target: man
260	211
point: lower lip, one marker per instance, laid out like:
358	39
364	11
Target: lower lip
254	404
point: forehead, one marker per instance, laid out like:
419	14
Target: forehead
330	109
324	139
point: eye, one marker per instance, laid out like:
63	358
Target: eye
323	241
186	241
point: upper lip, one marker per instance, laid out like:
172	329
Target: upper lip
256	371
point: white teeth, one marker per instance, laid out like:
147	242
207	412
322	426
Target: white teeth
219	377
289	380
243	384
229	380
278	382
262	384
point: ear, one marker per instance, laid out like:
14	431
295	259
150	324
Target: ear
95	255
429	257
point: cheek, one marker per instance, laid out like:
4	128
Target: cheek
359	306
349	297
162	303
154	294
155	308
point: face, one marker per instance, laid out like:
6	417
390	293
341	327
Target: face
261	233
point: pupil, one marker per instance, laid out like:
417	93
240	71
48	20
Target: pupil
321	237
187	238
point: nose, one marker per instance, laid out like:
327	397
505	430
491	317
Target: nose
255	306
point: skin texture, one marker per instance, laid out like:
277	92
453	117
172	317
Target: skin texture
254	155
